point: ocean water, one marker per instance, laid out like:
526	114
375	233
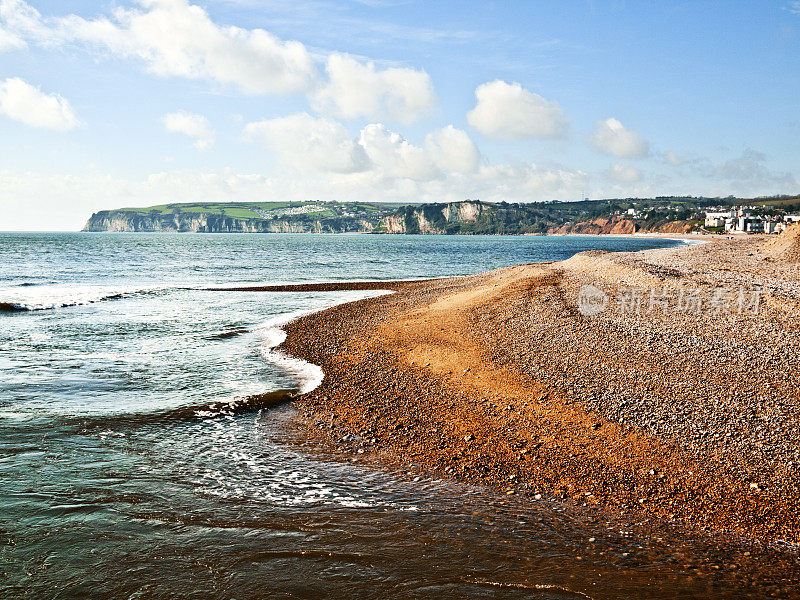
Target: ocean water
141	456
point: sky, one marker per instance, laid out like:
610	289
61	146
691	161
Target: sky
113	103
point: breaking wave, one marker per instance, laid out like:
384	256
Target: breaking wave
47	297
308	375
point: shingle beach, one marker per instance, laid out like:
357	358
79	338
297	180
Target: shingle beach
672	391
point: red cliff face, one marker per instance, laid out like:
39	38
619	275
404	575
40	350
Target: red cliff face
605	225
620	226
674	227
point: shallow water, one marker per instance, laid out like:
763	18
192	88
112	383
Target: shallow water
134	462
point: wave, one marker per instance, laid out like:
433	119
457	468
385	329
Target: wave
209	410
224	335
46	297
308	375
270	335
11	307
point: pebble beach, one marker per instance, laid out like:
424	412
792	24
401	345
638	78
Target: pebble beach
674	400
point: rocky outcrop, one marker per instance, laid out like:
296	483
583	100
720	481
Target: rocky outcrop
464	212
436	218
392	224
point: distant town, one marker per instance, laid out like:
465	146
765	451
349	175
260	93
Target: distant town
748	219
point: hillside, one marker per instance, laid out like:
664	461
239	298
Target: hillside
244	217
615	216
587	217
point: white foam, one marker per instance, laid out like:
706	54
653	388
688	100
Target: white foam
309	376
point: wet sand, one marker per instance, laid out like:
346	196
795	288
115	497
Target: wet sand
668	418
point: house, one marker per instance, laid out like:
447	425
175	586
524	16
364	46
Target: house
717	219
747	224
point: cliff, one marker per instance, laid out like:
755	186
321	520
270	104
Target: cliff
243	217
469	216
617	225
612	226
466	217
118	221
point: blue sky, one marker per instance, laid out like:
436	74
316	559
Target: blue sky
108	104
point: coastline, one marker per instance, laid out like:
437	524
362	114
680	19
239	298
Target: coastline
487	379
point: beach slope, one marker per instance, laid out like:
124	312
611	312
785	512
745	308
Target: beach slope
662	383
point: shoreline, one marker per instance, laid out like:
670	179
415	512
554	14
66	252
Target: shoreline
441	375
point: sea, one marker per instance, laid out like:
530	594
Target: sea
134	462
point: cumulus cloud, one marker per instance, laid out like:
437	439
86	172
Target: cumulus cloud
509	111
622	173
192	125
320	144
612	137
309	143
452	150
356	90
445	151
394	156
25	103
175	38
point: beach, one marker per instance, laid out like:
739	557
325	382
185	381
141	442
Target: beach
673	415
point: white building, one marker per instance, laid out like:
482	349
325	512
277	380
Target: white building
717	219
774	226
748	224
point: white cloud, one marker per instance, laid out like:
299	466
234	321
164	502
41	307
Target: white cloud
323	145
9	41
622	173
27	104
21	20
674	159
452	150
509	111
612	137
358	90
308	143
393	156
195	126
175	38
